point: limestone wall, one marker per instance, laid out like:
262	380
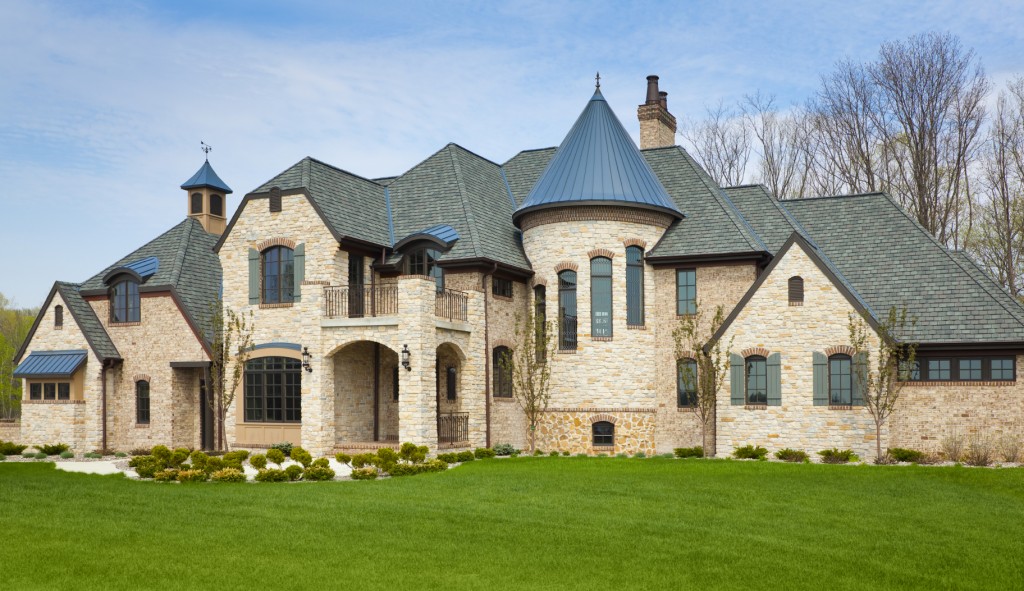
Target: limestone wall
508	424
568	429
10	431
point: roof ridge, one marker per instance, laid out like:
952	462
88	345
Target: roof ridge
843	196
179	257
467	210
719	195
136	250
343	171
514	156
468	151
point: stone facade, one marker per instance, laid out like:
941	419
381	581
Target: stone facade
10	430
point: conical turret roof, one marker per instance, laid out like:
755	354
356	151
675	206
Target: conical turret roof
598	164
206	177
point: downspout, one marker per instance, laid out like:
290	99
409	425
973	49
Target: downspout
487	354
103	404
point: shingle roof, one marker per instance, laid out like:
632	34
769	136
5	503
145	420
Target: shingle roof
598	162
523	170
762	211
206	177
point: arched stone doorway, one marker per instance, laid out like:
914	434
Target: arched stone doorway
365	393
452	418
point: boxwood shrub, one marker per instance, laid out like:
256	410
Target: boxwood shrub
791	455
275	455
483	453
294	471
689	452
364	474
465	456
271	475
258	461
228	475
750	452
317	473
192	476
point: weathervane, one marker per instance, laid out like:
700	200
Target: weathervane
206	149
597	80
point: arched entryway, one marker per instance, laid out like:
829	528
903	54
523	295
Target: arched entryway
366	393
452	419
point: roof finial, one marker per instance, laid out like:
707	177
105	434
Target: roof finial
597	80
206	149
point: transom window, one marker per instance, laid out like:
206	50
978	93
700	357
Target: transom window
634	286
278	275
273	390
686	382
501	287
757	380
142	402
686	291
567	310
424	262
840	382
601	297
603	433
502	373
124	302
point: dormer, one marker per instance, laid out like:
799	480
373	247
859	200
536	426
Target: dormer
207	199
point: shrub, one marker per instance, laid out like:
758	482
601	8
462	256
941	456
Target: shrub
2	457
239	456
120	454
552	454
28	454
302	456
467	456
434	465
791	455
343	458
622	455
147	466
199	460
566	453
582	455
361	460
192	476
41	456
275	455
504	449
450	458
836	456
979	452
271	475
901	454
9	448
235	463
139	451
258	461
364	474
750	452
162	453
405	470
483	453
953	446
689	452
321	463
213	464
93	456
640	455
1010	448
387	458
52	450
67	455
294	471
317	473
228	475
413	453
285	447
178	457
538	452
168	475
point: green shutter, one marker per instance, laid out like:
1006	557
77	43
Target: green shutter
736	378
774	379
860	364
299	267
820	379
254	276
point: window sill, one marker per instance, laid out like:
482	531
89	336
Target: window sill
794	304
503	398
636	327
686	408
925	383
840	407
272	306
142	425
273	423
755	407
565	352
603	447
53	401
122	324
503	298
601	338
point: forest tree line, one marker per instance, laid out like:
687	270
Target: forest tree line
14	326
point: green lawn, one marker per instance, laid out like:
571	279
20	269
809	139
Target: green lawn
546	523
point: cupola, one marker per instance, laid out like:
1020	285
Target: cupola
207	198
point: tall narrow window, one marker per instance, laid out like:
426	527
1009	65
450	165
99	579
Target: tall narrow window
58	316
197	203
452	380
567	310
686	291
35	391
540	316
278	275
124	302
634	286
356	291
216	205
686	382
796	291
500	360
757	380
601	297
275	202
142	402
840	381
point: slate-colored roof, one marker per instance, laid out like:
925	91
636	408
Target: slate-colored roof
598	162
206	177
50	364
764	214
523	170
86	319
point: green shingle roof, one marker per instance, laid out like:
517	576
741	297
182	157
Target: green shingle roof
86	320
764	214
523	170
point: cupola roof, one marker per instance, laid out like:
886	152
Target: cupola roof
206	177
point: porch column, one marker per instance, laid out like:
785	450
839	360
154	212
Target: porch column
417	403
318	421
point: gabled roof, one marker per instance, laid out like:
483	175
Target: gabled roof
206	177
84	317
598	162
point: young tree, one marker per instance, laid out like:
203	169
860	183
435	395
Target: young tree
894	362
692	337
231	344
528	368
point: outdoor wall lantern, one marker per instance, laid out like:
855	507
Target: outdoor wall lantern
306	357
405	357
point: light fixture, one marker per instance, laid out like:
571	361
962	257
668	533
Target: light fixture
405	357
306	357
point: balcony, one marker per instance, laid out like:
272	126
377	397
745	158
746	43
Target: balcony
452	305
360	301
452	427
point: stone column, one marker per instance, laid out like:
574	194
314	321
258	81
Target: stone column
417	404
318	421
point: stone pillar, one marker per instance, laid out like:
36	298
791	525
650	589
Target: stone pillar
417	404
318	401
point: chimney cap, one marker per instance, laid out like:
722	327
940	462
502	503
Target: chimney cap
652	90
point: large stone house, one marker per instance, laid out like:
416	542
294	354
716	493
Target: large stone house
381	307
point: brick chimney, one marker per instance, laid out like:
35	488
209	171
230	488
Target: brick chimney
657	125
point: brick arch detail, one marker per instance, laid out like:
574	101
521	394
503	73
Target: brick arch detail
635	242
840	350
539	281
141	377
603	417
686	355
265	244
755	351
566	266
600	252
503	343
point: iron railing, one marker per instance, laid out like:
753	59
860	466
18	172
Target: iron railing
452	305
359	301
567	333
452	427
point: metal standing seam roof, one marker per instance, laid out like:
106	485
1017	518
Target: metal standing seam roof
598	162
50	364
206	177
442	232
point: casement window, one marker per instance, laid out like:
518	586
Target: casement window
451	382
601	297
567	311
1001	368
634	286
273	390
49	391
58	317
424	262
840	380
501	287
197	203
142	402
501	357
603	434
686	291
686	382
124	302
540	316
837	379
939	369
755	380
796	291
276	274
216	205
967	368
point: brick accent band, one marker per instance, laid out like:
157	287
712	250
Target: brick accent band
265	244
601	213
601	410
687	355
967	383
602	417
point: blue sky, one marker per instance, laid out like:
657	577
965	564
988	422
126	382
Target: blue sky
103	105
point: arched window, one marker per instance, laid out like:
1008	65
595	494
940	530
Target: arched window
686	382
757	380
840	380
424	262
58	316
216	205
273	390
124	301
501	362
142	402
278	275
634	286
567	310
603	433
540	316
601	297
796	291
197	203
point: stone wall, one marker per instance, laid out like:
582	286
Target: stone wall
508	423
10	431
569	429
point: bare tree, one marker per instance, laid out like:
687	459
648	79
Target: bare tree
782	145
692	337
721	143
881	386
528	369
231	344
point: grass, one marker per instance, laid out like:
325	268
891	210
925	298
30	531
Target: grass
526	523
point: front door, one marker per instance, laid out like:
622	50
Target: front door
205	418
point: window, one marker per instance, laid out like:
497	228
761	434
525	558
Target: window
604	433
686	382
394	384
273	390
278	275
501	358
58	317
910	371
567	310
142	402
966	369
124	302
686	291
424	262
216	205
49	391
540	316
938	369
601	297
197	203
634	286
451	382
35	391
757	380
796	291
840	382
970	369
501	287
63	391
1002	369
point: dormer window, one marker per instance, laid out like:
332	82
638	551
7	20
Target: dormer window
424	262
124	301
196	203
216	205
